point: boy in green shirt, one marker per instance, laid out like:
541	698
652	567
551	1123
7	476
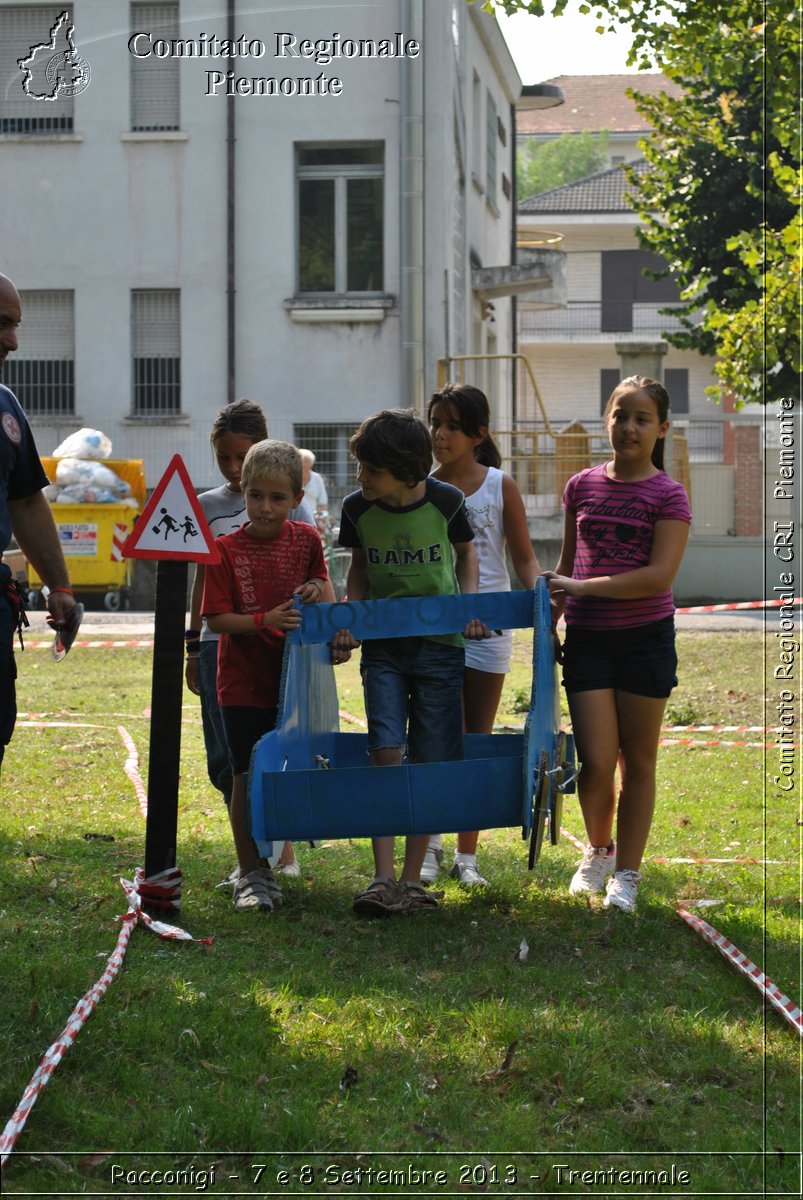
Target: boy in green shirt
402	527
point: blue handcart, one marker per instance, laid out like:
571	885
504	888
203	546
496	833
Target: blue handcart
310	781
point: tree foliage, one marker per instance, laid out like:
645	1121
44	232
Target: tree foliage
721	200
545	165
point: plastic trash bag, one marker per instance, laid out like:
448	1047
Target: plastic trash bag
77	472
84	443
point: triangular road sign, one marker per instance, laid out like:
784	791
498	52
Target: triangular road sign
172	524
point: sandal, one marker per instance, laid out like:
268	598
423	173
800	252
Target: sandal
272	884
252	891
380	898
415	897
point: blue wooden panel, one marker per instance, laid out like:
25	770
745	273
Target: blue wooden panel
375	801
308	780
416	616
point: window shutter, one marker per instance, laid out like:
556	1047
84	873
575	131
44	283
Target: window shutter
155	81
22	27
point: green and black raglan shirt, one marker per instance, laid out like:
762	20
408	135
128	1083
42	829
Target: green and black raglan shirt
408	551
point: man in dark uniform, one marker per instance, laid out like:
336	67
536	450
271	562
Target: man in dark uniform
25	512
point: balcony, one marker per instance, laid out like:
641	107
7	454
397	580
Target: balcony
591	321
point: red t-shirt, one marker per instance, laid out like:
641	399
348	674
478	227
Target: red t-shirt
255	575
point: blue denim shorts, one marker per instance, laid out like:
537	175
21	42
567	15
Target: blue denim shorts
413	697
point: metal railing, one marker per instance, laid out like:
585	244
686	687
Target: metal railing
592	317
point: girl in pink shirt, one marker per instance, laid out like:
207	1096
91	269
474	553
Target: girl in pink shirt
625	530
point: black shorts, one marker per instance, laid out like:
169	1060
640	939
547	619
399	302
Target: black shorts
640	659
244	727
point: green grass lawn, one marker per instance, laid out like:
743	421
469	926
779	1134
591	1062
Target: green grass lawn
320	1044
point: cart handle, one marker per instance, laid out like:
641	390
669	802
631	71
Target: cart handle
421	616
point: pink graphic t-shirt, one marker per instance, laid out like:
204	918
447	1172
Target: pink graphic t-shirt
615	524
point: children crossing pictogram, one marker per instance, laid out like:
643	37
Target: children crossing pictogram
172	525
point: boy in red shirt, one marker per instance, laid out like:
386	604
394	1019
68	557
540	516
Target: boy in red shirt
248	599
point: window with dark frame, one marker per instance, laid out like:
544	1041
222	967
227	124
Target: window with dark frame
156	352
490	149
676	382
624	284
329	442
341	189
41	373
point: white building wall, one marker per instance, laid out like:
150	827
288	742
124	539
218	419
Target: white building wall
105	211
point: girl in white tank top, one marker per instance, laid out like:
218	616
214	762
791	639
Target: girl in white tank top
459	418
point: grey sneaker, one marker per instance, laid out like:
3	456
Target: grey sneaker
465	871
431	867
595	866
255	890
622	891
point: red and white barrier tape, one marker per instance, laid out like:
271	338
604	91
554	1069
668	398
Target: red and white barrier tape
756	862
571	838
158	891
742	604
352	720
143	643
709	742
786	1007
691	610
131	768
752	862
88	1002
717	728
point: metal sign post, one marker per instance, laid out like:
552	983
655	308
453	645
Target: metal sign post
165	737
173	530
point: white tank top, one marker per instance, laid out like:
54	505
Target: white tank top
485	514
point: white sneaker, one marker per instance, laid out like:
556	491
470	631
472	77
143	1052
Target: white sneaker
465	871
290	870
622	891
595	866
431	866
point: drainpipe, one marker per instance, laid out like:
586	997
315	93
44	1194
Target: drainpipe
514	308
231	262
412	212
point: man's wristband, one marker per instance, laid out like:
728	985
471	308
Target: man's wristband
67	591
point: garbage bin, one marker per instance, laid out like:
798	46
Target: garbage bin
92	536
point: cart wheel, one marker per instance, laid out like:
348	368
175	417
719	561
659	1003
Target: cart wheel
556	799
540	810
111	601
35	600
555	815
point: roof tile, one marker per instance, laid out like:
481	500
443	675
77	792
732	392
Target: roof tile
595	102
605	192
